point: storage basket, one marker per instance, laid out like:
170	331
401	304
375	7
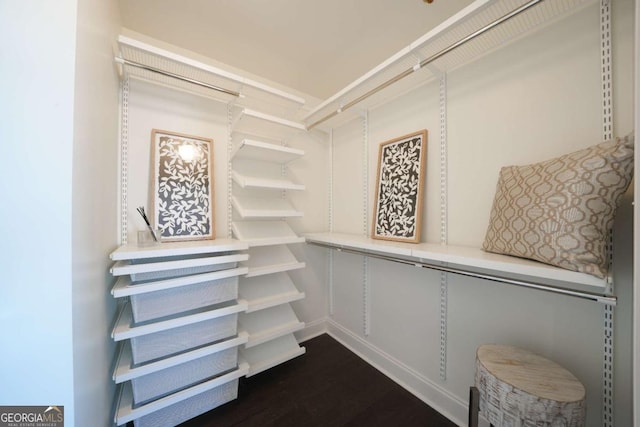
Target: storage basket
189	408
152	346
157	384
166	302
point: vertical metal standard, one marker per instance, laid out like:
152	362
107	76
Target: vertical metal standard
229	171
124	159
443	224
607	133
366	303
331	220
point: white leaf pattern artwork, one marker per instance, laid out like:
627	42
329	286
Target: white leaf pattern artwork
183	186
398	192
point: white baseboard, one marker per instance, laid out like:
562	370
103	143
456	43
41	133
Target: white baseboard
312	330
432	394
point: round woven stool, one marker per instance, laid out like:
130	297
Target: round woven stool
517	388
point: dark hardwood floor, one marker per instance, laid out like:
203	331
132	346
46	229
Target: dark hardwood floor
328	386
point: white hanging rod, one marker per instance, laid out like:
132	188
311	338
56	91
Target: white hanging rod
591	296
427	61
177	76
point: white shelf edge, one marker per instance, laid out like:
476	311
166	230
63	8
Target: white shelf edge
125	369
125	329
132	251
124	267
473	259
125	288
248	112
125	411
253	233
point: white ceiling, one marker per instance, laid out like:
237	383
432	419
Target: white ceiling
317	47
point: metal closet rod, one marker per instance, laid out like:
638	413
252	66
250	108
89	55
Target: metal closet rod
427	61
591	296
177	76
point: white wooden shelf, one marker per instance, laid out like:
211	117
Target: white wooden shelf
125	327
251	149
126	411
273	259
265	325
271	353
133	252
259	293
472	260
251	122
469	20
264	233
259	207
126	370
253	94
121	268
257	182
124	287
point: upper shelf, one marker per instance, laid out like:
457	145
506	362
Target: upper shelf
247	121
144	61
473	260
463	38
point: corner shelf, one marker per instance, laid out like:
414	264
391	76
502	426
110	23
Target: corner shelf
251	149
462	260
268	260
269	291
246	181
258	207
271	353
265	233
251	122
265	325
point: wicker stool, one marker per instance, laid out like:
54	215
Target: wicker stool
516	388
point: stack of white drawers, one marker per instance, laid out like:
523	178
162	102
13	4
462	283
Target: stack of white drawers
177	329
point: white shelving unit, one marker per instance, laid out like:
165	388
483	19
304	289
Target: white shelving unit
261	209
472	262
177	329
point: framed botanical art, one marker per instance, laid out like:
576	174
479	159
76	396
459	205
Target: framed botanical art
397	213
182	191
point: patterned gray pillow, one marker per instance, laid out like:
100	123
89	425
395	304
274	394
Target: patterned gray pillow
560	211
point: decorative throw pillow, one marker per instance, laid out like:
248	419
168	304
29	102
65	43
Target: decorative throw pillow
560	211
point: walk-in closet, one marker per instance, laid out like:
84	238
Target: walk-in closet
448	199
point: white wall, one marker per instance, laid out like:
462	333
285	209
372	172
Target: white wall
38	45
527	102
95	170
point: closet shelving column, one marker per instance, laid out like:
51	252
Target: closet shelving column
177	329
261	208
